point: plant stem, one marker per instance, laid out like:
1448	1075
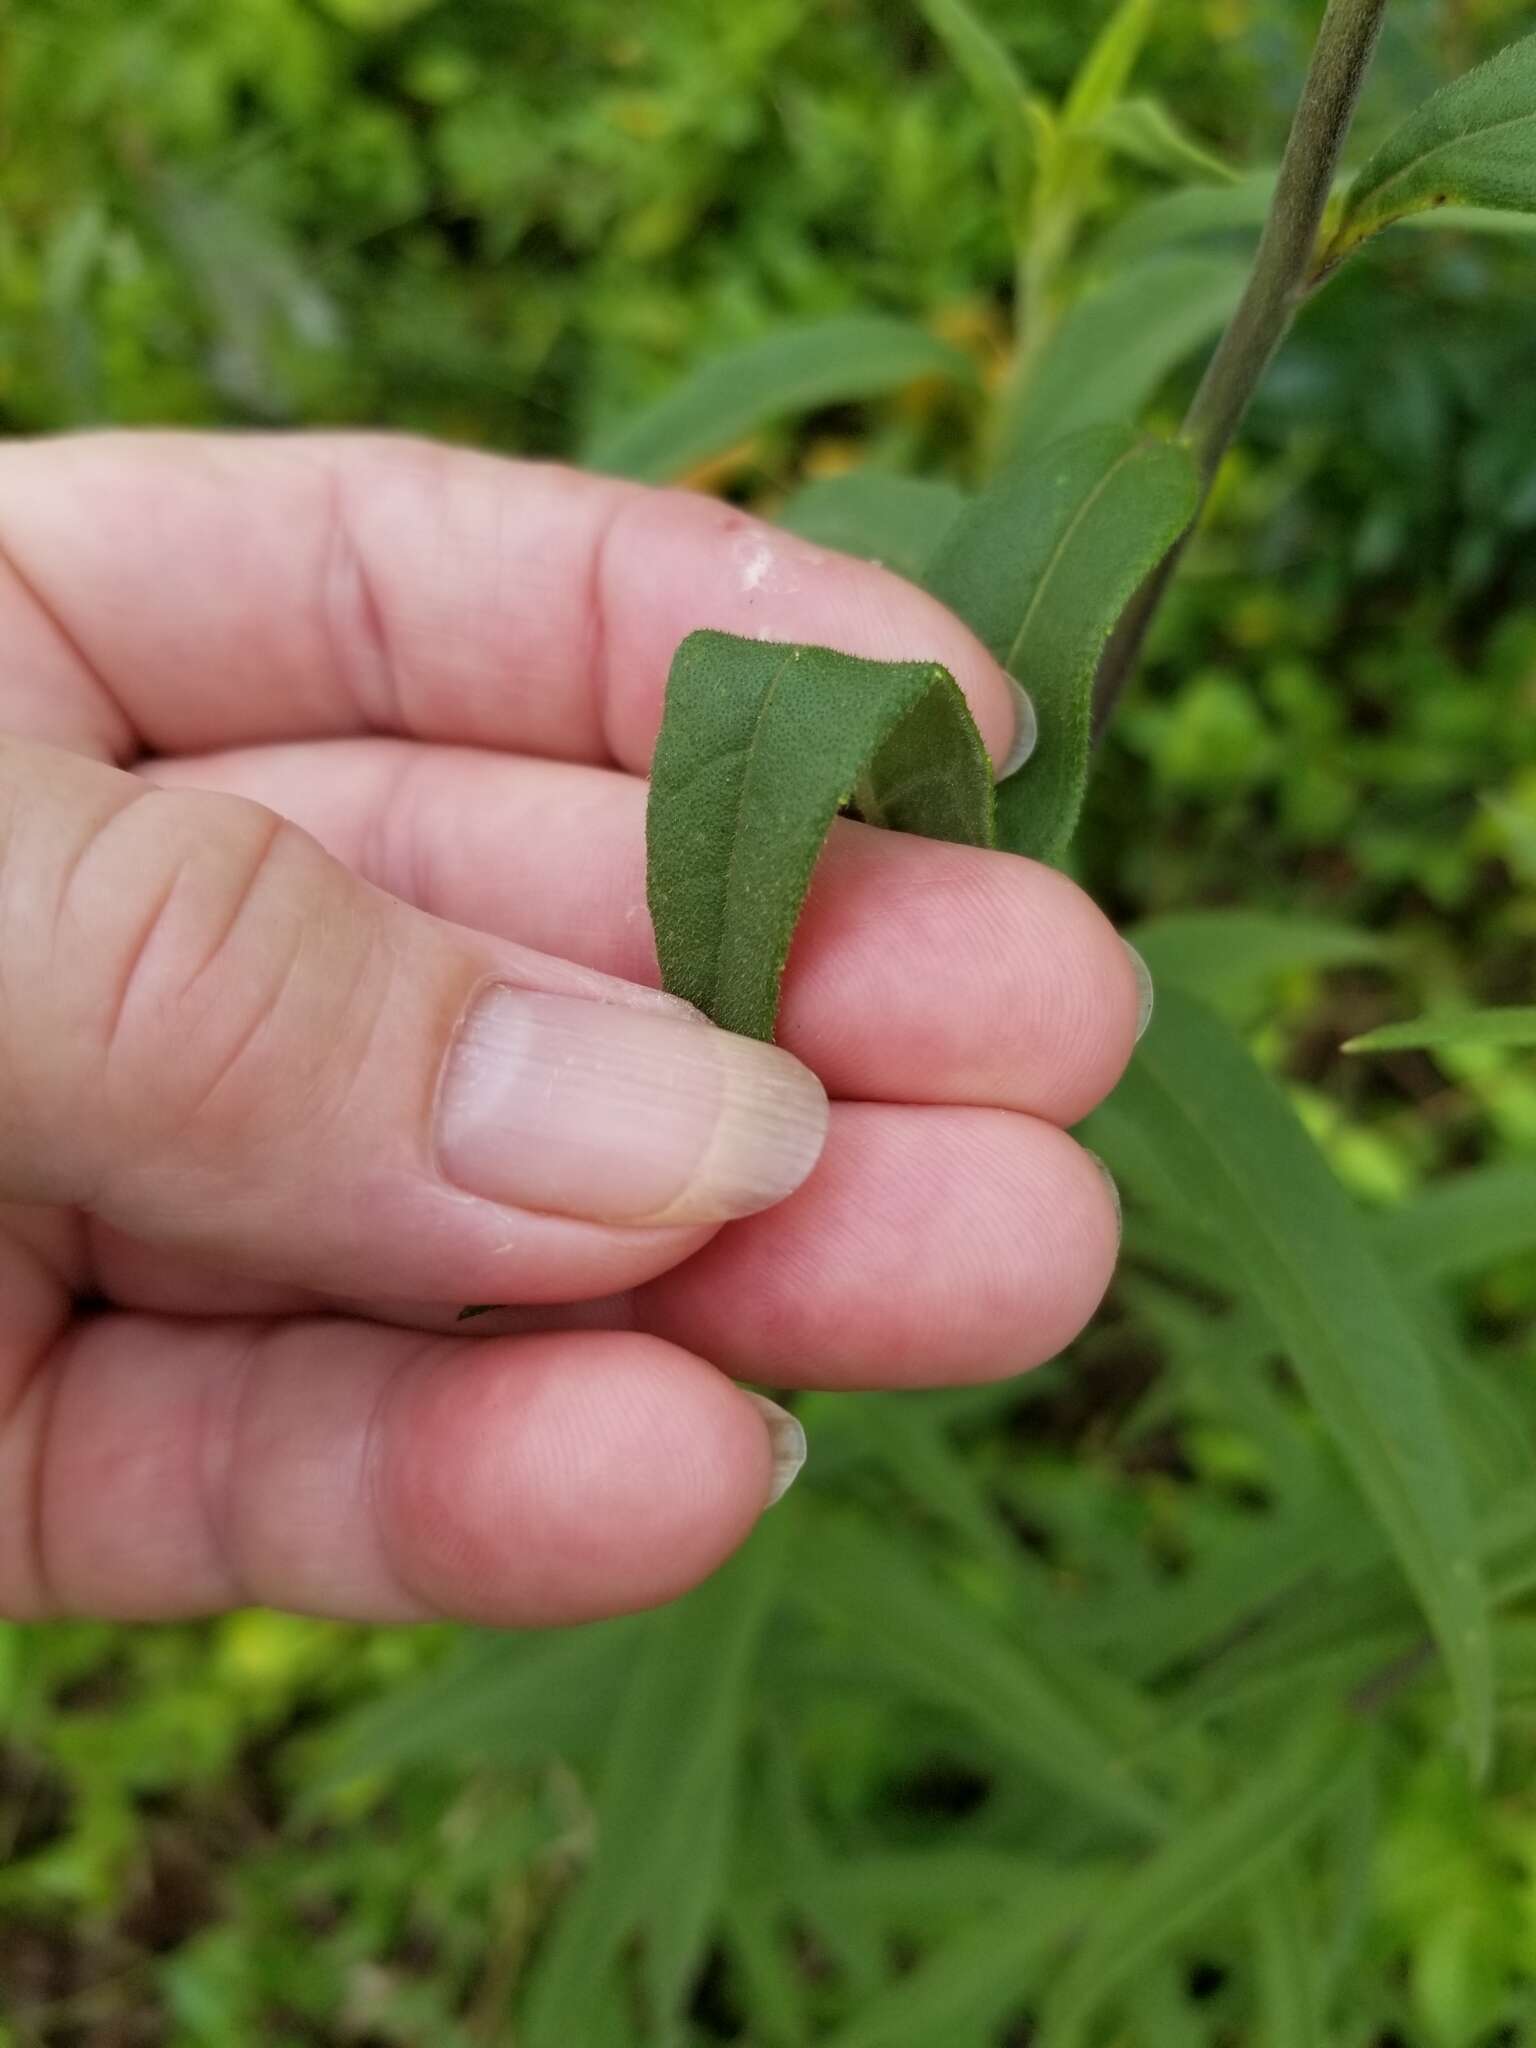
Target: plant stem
1276	286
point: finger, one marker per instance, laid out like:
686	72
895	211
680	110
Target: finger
213	1035
178	1468
182	592
930	1247
920	972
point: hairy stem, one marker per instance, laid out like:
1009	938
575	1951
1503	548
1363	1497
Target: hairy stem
1276	286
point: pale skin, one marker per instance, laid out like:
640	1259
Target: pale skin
312	749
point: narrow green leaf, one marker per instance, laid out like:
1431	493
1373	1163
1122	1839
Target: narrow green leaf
1220	1127
976	1978
1105	72
1115	347
671	1759
1041	566
899	521
1144	130
510	1699
996	80
1205	1861
1187	216
872	1588
1454	1027
1460	1226
760	746
1290	2001
1473	143
1226	955
828	362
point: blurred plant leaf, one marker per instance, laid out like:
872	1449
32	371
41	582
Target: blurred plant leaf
1106	70
1473	143
1144	130
1226	1136
896	520
509	1699
1459	1227
828	362
1186	216
1218	1852
1222	955
871	1587
1289	1996
1117	344
999	85
760	746
977	1977
1464	1027
1040	566
668	1773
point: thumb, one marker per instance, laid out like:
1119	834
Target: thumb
215	1037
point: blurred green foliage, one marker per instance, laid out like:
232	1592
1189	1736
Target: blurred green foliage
512	223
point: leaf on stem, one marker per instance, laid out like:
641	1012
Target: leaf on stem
1473	143
826	362
895	520
1040	567
1106	70
761	745
996	81
1144	130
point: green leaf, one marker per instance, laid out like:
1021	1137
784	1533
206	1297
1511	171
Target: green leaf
1473	143
760	746
1187	216
974	1979
668	1774
1105	72
1454	1027
873	1589
996	80
1206	1860
1230	954
1289	1994
1224	1133
1116	346
1041	566
1460	1226
829	362
510	1699
1144	130
899	521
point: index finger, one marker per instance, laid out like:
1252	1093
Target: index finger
171	593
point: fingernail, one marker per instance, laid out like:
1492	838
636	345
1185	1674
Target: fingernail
1144	990
787	1438
622	1115
1114	1192
1025	734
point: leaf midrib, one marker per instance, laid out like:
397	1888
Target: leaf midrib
1053	560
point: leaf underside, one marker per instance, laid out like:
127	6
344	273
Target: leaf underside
761	745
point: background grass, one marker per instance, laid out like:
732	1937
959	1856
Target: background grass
511	223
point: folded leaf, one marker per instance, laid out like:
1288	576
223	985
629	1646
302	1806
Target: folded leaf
761	745
1463	1027
1473	143
829	362
1217	1125
1041	566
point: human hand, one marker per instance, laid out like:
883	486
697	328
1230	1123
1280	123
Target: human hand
276	1097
